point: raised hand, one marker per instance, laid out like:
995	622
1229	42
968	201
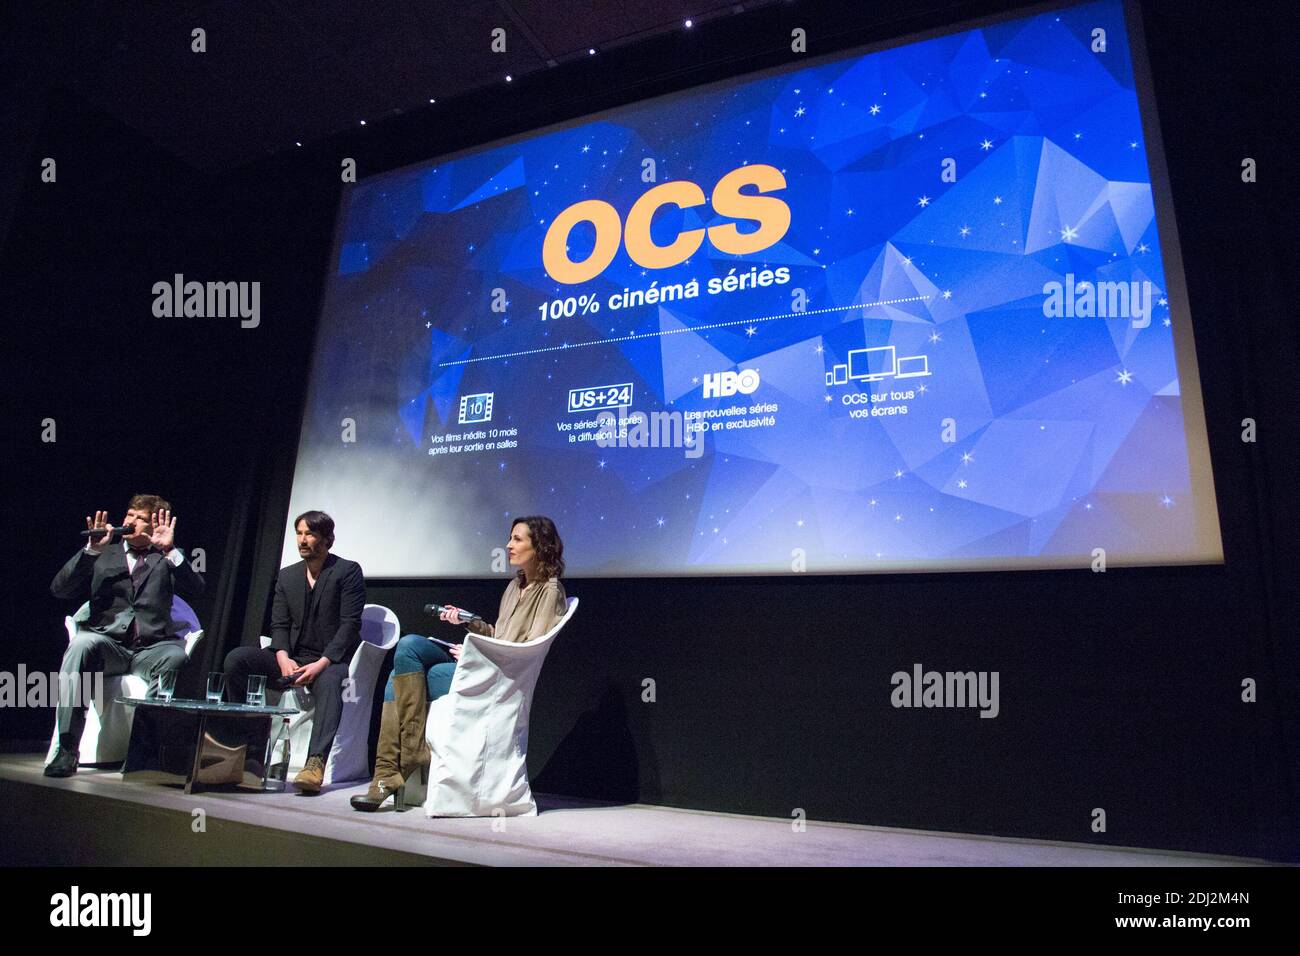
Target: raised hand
96	544
164	530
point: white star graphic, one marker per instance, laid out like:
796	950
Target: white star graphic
874	109
1124	377
923	201
1069	233
965	231
997	200
986	145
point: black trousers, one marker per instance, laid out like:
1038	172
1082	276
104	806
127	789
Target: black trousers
326	691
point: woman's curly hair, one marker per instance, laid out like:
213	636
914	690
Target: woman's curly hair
547	544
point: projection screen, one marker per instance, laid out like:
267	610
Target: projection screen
906	308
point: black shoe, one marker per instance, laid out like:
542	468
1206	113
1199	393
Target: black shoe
64	763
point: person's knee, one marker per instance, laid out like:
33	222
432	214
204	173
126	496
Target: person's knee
84	648
173	659
407	658
239	659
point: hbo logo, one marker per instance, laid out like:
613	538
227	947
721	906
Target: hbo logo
721	384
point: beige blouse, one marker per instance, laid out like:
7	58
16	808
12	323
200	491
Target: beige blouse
525	613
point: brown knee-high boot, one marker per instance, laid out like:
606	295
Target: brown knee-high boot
388	774
411	693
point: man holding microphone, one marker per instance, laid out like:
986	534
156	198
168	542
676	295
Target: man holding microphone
130	583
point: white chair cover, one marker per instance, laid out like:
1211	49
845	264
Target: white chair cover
478	731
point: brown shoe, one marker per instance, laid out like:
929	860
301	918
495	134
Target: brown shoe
311	777
381	788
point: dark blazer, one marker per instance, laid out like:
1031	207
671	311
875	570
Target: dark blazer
337	600
114	600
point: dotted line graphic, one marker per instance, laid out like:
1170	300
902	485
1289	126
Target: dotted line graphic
693	328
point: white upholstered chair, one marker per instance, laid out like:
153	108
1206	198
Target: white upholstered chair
478	731
108	724
347	760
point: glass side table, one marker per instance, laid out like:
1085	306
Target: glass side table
204	709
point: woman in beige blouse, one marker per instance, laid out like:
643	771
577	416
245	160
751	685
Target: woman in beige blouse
533	604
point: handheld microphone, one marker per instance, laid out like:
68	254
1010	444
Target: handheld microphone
464	616
117	534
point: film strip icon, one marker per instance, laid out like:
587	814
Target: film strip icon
476	408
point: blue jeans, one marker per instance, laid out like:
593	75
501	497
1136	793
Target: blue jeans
416	654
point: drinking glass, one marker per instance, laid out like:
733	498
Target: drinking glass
216	686
256	696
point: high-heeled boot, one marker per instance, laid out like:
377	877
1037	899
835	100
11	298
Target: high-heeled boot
411	693
388	774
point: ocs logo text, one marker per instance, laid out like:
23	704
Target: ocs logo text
770	212
722	384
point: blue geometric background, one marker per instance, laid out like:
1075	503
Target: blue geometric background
1070	432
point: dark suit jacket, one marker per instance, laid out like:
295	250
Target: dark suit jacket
335	620
114	600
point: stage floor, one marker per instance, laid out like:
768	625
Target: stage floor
97	818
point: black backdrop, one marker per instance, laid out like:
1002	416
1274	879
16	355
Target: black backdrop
1120	691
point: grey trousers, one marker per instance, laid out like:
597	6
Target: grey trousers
90	652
